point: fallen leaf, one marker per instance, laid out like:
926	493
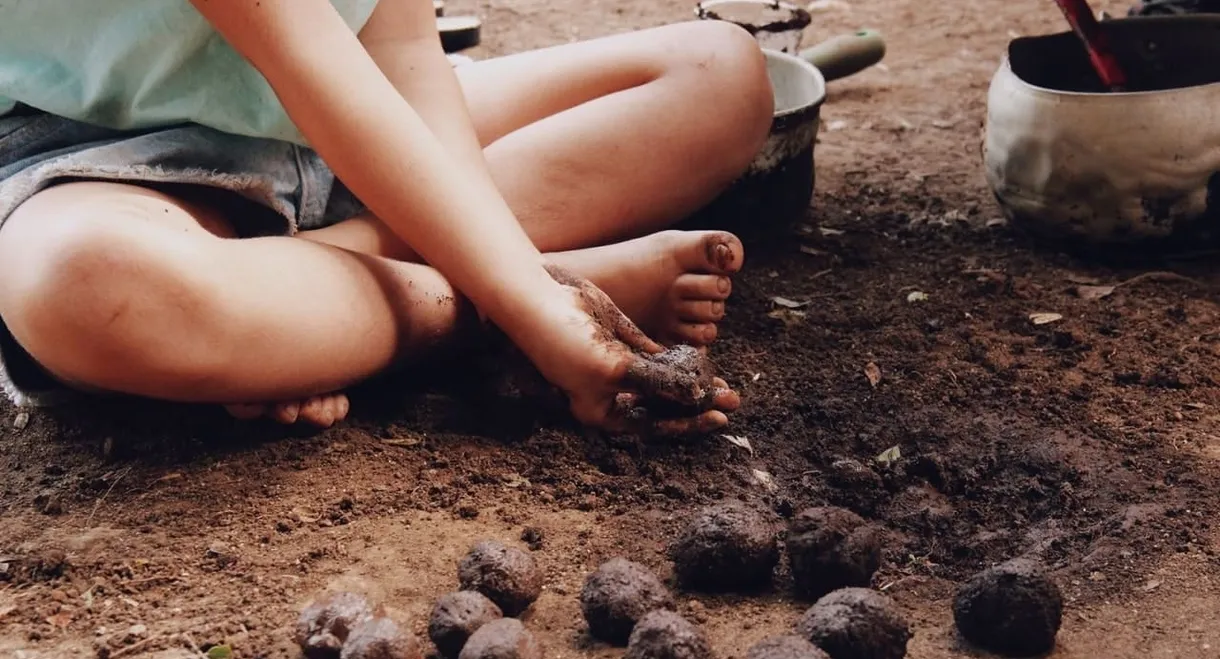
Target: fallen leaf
836	126
889	456
1151	586
220	652
515	480
173	476
873	373
827	231
788	304
60	620
756	377
917	296
1044	318
21	421
1082	279
302	516
812	251
1093	292
741	442
789	316
764	479
406	442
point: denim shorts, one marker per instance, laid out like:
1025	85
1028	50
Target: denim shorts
39	150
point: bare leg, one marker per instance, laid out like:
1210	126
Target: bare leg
616	138
128	290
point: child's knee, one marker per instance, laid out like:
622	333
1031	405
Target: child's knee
85	288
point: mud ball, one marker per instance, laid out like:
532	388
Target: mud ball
456	616
506	575
505	638
856	623
1011	609
380	638
617	595
832	548
785	647
667	635
725	548
325	624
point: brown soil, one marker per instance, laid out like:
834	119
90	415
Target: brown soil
1088	443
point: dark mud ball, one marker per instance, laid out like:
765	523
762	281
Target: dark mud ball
726	547
1011	609
505	638
617	595
856	623
832	548
506	575
380	638
667	635
326	623
785	647
458	615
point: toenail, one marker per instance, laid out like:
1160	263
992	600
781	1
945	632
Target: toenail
717	308
724	256
722	284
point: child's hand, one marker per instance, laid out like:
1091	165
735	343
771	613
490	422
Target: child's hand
602	361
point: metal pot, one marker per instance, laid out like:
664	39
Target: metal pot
778	185
1077	163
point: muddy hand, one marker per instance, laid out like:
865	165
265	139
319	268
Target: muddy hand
660	391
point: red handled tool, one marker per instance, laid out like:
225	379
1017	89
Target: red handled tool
1096	41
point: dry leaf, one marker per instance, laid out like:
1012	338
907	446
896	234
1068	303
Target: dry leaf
407	442
764	479
741	442
889	456
1044	318
60	620
827	231
789	316
917	296
788	304
1093	292
836	126
1151	586
873	373
756	377
1082	279
812	251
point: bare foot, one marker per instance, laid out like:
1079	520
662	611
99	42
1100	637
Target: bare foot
323	411
673	284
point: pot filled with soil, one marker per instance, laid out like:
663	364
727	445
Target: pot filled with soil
1074	161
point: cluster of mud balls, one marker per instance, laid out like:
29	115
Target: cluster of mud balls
479	621
733	547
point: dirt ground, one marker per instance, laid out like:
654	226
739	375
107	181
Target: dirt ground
1091	442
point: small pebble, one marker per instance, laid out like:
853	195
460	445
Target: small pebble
21	420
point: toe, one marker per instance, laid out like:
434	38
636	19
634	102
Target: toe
700	311
717	252
695	334
316	411
702	287
246	411
287	413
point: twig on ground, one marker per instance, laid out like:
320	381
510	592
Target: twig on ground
98	503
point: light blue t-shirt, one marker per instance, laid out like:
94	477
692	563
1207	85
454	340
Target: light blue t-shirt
135	64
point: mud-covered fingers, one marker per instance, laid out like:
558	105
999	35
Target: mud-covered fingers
704	423
724	398
631	334
663	382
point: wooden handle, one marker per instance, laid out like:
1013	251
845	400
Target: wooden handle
846	54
